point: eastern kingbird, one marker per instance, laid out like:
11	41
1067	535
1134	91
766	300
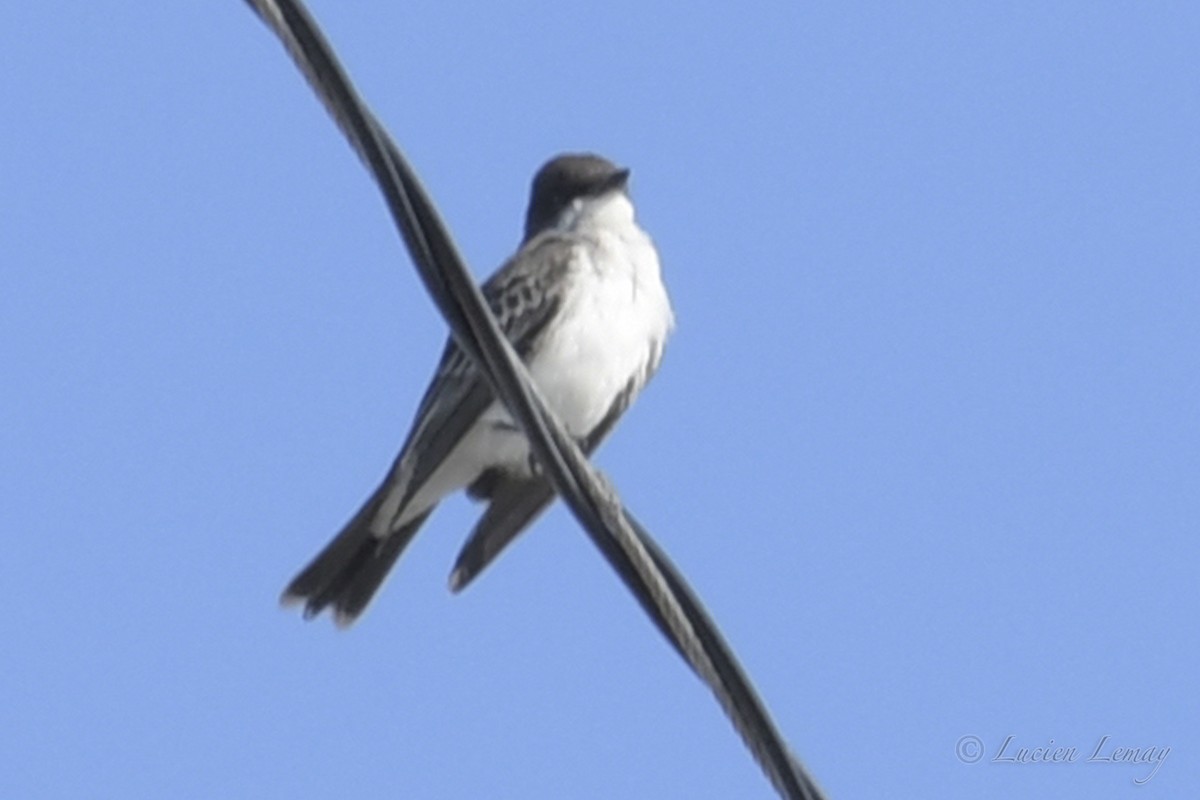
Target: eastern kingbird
584	306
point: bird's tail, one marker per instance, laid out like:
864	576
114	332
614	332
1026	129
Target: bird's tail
348	572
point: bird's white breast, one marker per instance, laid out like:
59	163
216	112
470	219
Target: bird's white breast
607	334
614	319
613	322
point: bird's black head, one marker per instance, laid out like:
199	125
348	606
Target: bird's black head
565	178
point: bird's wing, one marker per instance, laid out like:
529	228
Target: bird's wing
525	295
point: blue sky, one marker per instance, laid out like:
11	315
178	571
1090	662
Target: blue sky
926	440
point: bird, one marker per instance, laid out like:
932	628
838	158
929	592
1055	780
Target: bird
583	303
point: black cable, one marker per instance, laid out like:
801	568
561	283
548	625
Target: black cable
641	564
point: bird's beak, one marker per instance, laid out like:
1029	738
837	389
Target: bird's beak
618	181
